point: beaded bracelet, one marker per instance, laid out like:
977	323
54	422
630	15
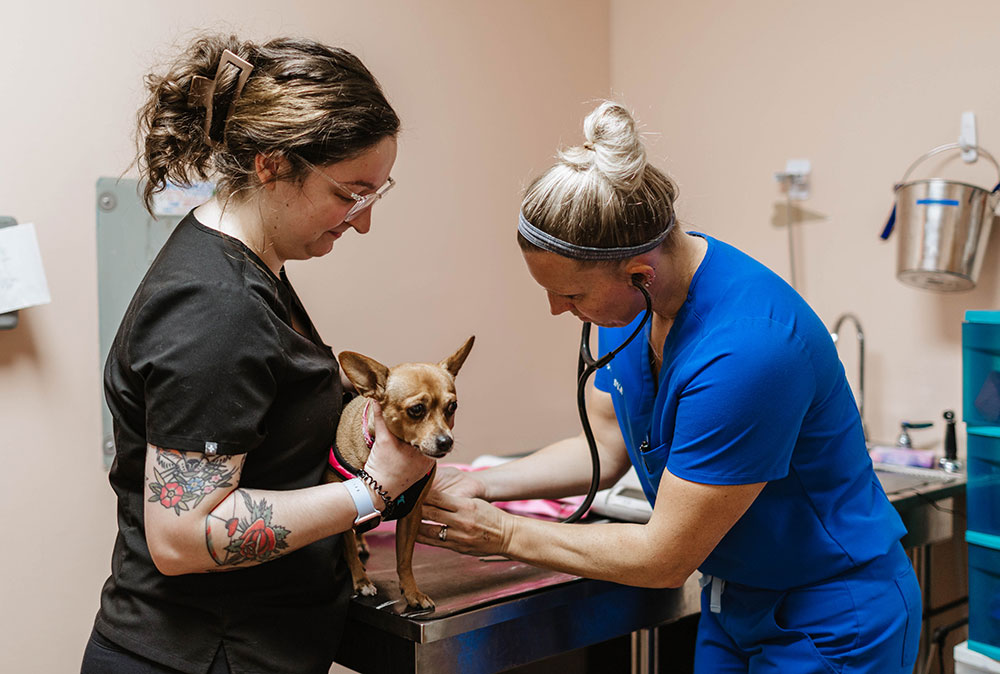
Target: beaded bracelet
370	481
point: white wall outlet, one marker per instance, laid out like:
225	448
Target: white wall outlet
967	137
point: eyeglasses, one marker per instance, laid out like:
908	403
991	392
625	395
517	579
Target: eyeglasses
362	202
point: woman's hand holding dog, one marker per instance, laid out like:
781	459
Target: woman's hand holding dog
457	499
394	464
473	526
459	483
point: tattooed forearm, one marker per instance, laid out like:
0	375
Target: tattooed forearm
182	483
245	533
196	505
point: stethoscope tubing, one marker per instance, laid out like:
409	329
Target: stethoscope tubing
586	366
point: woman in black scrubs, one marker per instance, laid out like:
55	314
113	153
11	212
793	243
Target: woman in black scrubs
225	398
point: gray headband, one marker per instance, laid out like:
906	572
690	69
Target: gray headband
546	241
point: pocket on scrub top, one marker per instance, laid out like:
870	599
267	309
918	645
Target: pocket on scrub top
653	461
909	592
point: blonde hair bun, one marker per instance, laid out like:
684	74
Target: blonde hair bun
604	193
613	147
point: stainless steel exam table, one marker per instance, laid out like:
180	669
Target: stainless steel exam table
494	615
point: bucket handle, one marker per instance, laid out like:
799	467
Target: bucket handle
887	230
944	148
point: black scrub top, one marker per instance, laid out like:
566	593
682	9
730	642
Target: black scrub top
206	357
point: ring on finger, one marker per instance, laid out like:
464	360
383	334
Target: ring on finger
443	532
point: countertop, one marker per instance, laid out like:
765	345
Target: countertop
907	486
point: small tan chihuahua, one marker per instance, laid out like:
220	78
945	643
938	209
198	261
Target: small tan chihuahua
418	404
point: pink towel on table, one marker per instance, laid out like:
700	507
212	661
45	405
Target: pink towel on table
538	507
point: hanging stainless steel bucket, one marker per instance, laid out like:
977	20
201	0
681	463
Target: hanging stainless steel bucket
943	228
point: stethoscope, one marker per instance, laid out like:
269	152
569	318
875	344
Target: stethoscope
587	366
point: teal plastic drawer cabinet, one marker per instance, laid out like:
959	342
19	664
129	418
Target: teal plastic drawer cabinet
984	593
981	368
983	479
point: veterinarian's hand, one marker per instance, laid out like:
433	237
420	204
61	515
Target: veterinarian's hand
474	526
458	483
393	463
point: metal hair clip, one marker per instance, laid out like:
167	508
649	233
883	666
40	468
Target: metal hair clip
202	92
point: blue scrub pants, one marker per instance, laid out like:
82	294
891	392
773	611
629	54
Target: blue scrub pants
866	620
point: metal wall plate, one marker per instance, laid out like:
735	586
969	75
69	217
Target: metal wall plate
128	239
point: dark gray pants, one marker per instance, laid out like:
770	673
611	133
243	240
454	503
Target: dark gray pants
106	657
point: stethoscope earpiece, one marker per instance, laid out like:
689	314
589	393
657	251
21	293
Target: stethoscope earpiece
641	281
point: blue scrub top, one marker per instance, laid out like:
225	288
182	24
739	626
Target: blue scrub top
751	390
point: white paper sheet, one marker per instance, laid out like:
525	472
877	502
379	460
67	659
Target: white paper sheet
22	278
176	200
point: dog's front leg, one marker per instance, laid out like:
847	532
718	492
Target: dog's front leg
406	537
362	584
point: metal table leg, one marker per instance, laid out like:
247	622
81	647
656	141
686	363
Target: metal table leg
646	651
920	556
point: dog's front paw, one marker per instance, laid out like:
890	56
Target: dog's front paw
417	599
365	588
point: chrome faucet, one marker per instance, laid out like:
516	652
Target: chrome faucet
835	335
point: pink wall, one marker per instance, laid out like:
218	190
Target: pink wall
484	91
729	91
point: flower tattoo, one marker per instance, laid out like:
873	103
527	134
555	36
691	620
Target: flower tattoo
252	538
239	529
181	483
171	494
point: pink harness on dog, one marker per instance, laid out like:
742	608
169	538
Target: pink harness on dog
338	464
403	503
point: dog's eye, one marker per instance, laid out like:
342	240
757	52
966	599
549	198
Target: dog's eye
416	411
452	406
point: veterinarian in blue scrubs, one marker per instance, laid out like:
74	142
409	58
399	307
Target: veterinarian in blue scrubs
735	411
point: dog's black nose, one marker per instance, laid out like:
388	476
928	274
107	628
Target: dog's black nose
444	443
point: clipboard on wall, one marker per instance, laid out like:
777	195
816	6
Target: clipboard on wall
8	321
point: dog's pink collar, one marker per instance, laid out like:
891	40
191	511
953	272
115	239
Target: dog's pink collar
369	438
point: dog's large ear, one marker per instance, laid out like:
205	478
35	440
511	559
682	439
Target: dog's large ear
367	375
453	363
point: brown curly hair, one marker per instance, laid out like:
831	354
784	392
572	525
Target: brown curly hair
303	99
